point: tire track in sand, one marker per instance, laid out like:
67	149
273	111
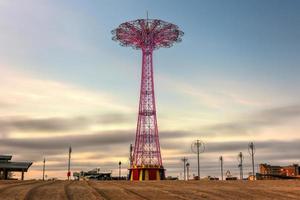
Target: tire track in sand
17	184
131	191
30	194
67	190
97	190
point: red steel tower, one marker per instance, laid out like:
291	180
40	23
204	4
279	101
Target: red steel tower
147	35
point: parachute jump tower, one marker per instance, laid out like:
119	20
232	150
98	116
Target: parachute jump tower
147	35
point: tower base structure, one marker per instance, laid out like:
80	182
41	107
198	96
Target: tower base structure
146	172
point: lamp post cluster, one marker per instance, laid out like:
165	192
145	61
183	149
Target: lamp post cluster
198	147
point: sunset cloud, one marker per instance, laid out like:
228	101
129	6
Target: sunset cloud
39	122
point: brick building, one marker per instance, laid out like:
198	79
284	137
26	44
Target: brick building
279	171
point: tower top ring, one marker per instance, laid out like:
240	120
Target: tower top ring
147	34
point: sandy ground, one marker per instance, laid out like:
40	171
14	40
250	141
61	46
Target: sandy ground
151	190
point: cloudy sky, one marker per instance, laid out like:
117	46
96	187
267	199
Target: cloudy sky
233	79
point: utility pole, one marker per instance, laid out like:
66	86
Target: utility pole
188	170
240	159
44	163
221	160
251	150
69	163
120	170
198	147
184	159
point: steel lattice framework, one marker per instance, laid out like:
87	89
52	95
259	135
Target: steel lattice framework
147	35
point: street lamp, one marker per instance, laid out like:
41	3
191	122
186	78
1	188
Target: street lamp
184	159
198	147
188	170
120	170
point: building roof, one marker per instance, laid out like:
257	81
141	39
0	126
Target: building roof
5	163
15	166
5	158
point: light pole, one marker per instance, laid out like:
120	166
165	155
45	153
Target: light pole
251	150
198	147
44	163
188	170
69	163
131	155
184	159
221	161
120	170
240	159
